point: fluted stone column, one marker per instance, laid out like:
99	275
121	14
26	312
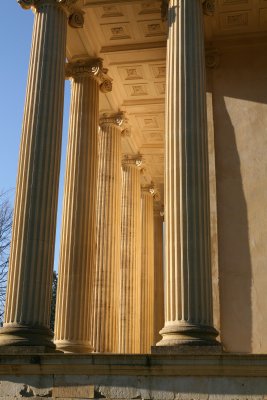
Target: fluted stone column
105	307
130	273
188	312
158	271
147	269
78	235
27	311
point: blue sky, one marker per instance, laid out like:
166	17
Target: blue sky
15	43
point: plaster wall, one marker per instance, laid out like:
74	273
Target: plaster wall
240	123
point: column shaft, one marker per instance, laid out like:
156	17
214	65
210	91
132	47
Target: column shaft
78	235
31	259
105	306
130	274
147	272
158	275
188	313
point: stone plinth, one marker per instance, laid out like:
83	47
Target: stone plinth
183	377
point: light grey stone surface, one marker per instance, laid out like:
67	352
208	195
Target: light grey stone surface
25	386
133	387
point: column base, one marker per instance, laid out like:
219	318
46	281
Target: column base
186	334
26	336
68	346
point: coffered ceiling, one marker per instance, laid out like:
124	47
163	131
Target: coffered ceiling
240	17
131	38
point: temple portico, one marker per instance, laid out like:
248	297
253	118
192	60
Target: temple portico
159	223
107	286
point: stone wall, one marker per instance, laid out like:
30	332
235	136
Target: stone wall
132	387
240	121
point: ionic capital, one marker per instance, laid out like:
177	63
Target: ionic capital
152	190
212	57
92	68
118	120
133	160
27	4
208	7
75	16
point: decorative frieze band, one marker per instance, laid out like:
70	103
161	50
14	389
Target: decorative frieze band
92	68
76	19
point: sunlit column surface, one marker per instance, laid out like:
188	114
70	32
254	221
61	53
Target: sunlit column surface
78	235
130	273
105	306
188	308
28	297
147	269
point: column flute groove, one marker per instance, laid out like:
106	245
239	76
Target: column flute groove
188	308
78	235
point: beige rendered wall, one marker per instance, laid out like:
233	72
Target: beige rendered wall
240	123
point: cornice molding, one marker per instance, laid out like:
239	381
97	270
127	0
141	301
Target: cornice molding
92	68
